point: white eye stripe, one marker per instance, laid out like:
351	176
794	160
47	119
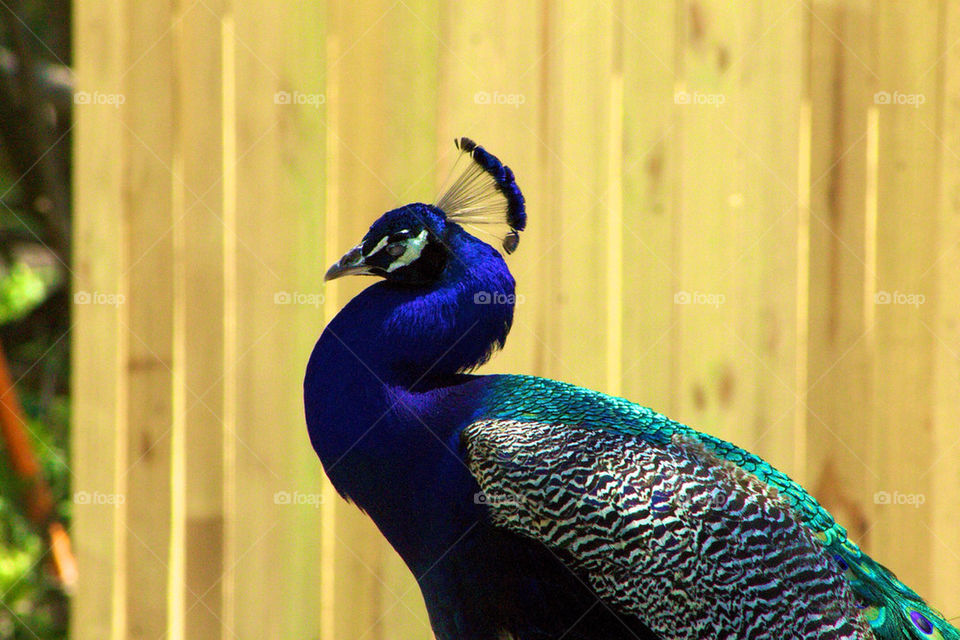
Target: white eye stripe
384	241
414	246
377	247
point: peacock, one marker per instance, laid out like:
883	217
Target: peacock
532	509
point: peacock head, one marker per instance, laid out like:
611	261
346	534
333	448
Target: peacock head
411	245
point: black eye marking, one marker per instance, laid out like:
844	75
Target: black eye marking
396	249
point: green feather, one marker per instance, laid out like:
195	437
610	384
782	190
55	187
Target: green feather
894	611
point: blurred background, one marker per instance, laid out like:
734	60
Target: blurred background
745	215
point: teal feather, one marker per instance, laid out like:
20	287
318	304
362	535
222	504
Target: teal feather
894	611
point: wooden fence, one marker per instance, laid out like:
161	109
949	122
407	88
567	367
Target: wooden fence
746	215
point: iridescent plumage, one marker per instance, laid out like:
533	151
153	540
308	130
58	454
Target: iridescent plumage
532	509
890	608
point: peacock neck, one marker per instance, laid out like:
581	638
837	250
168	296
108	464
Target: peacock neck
377	390
391	345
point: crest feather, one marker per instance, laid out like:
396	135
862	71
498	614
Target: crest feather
485	193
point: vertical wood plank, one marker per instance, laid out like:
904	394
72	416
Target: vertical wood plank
149	134
547	325
273	562
713	369
944	469
383	69
772	193
716	223
200	326
410	175
839	440
905	360
905	346
578	146
356	79
305	180
737	291
98	362
495	99
650	148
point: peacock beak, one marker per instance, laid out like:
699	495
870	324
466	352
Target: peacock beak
350	264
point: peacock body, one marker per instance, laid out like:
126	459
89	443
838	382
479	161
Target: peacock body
532	509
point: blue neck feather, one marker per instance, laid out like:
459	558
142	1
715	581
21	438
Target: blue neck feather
411	336
382	409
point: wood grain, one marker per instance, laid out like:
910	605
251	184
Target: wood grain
718	201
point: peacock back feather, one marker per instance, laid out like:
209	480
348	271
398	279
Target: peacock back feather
892	610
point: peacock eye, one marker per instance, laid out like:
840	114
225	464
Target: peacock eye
396	249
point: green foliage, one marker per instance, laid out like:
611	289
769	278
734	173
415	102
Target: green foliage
32	604
21	289
34	311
